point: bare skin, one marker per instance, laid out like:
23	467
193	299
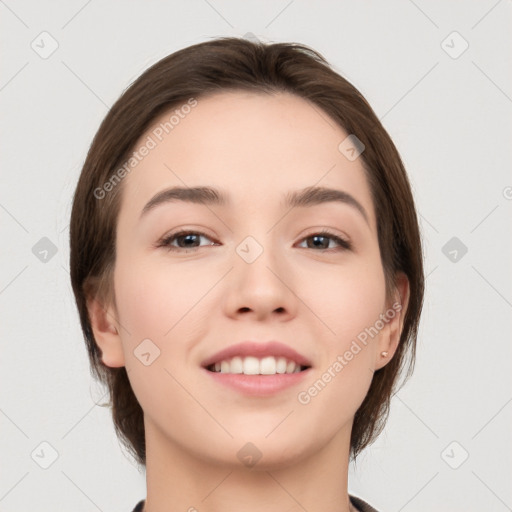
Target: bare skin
314	298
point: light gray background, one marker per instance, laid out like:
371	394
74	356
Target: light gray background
450	119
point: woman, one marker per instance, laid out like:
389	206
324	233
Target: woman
247	265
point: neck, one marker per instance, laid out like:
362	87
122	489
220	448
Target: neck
180	480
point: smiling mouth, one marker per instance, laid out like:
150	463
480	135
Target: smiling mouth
257	366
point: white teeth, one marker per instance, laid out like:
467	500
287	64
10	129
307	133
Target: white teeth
281	365
236	365
253	366
268	366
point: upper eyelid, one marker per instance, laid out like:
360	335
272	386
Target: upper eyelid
183	232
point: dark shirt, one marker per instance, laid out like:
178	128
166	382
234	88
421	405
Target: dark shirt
139	506
361	505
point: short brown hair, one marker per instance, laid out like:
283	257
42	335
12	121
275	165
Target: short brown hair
225	64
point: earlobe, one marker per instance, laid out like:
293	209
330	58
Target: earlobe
106	333
390	335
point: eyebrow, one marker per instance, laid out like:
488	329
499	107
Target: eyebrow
307	197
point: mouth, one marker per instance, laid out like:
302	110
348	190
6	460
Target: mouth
258	369
251	365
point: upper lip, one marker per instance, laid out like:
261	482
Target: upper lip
259	350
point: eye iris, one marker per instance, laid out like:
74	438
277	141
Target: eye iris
187	237
324	245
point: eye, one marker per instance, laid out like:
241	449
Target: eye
187	241
320	238
187	238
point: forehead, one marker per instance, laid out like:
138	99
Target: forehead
256	146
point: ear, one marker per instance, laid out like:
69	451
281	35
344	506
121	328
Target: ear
106	333
395	313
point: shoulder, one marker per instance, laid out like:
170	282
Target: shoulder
360	504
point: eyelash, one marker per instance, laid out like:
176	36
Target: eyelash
166	241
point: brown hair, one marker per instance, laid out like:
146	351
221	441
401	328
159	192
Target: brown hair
237	64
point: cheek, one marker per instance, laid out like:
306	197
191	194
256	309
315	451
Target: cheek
349	306
153	302
348	299
152	298
349	310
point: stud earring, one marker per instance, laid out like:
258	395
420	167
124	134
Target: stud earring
384	354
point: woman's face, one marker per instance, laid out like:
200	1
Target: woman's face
250	269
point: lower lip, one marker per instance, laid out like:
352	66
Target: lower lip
258	385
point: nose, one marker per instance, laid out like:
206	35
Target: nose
260	284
